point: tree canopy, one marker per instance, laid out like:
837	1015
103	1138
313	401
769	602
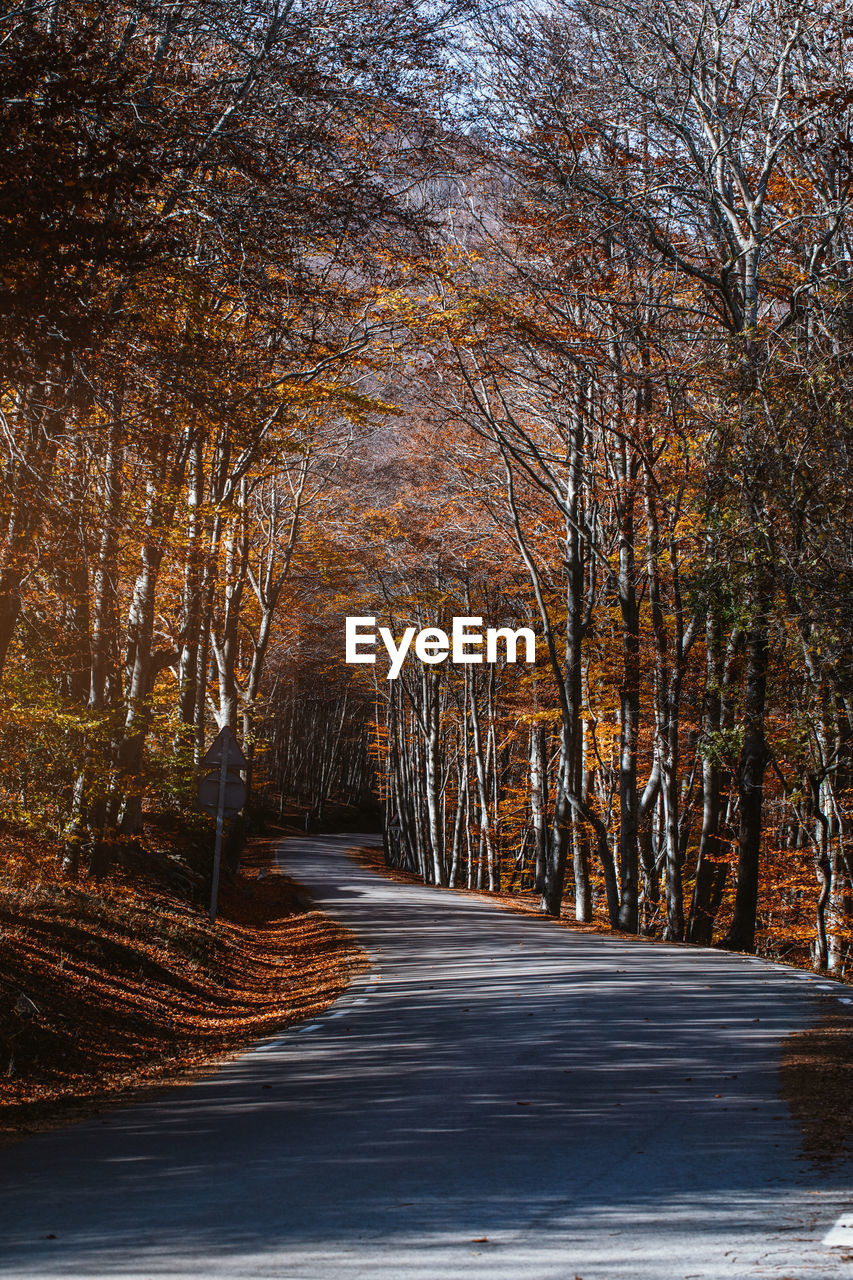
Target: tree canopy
539	313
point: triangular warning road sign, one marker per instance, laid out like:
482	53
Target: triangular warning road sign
224	742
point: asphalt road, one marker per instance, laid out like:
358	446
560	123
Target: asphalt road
495	1097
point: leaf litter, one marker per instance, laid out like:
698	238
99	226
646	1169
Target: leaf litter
109	990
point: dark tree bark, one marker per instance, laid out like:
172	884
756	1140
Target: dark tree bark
753	761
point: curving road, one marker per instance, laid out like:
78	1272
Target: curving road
495	1097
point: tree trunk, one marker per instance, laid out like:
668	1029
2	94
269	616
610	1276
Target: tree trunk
750	778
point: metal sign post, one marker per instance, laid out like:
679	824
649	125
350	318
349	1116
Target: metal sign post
222	793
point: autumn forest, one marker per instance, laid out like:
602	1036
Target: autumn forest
536	313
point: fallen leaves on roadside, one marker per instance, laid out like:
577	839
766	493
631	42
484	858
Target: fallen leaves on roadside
817	1083
105	989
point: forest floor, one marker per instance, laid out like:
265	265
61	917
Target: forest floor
109	990
817	1064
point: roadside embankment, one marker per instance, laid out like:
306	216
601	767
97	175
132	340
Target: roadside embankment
109	989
